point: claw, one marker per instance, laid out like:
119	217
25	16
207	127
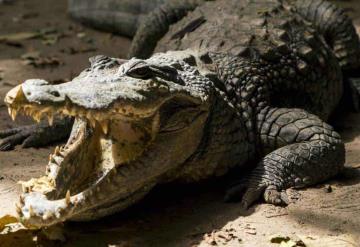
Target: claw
31	211
67	198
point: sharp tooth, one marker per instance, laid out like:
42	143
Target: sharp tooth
104	126
51	158
59	211
25	189
50	119
81	113
18	209
67	198
37	117
13	114
73	112
92	122
31	211
27	111
89	114
22	200
65	111
9	111
97	116
57	150
47	215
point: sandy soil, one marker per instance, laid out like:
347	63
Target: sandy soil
173	215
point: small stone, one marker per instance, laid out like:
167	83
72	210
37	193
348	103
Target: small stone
251	231
327	188
277	239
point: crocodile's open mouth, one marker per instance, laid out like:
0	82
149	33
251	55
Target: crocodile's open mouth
104	150
137	124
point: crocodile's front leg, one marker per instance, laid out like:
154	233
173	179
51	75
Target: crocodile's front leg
36	135
307	151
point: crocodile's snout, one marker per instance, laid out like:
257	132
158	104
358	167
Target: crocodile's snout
15	96
40	91
33	91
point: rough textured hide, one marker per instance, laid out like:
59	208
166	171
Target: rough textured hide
116	16
230	81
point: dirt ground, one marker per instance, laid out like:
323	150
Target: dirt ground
191	215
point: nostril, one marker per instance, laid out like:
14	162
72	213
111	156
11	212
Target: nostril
55	93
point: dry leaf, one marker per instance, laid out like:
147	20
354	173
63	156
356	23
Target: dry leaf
15	37
5	220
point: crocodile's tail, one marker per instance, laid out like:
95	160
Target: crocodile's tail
337	28
116	16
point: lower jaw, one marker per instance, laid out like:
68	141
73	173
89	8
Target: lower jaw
106	197
113	192
118	188
112	207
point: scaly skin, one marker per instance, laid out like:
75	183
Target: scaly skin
232	81
116	16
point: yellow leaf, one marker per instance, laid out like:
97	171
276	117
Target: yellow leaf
7	219
289	243
18	36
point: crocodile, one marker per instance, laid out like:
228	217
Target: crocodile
209	86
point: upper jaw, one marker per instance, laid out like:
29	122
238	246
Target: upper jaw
37	99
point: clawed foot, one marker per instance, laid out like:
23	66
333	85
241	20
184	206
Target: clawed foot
25	135
36	135
249	192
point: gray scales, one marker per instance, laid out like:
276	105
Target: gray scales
214	85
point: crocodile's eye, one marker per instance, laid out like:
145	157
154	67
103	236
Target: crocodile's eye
141	72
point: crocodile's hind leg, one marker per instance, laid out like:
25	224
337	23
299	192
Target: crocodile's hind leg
337	29
340	34
117	16
306	151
